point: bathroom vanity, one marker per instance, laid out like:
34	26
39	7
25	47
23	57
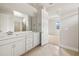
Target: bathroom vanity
18	35
18	43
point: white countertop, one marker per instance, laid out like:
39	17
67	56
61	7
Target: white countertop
4	36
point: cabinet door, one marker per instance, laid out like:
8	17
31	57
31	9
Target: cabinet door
19	47
29	44
29	41
36	40
6	50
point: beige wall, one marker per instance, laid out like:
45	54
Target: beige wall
52	25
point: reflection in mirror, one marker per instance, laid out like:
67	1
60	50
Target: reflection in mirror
6	23
18	24
11	23
24	24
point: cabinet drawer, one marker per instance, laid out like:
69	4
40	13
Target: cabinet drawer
10	40
29	33
30	39
29	42
30	36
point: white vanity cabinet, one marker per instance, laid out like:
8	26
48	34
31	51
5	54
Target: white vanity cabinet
13	49
32	40
19	44
12	46
36	39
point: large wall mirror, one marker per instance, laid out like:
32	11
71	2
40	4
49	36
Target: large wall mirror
13	23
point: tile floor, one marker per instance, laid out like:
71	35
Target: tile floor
51	49
54	39
47	50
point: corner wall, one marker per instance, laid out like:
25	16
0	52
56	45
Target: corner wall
69	32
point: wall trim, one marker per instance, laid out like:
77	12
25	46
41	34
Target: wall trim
71	48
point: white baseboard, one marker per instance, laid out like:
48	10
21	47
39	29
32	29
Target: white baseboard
71	48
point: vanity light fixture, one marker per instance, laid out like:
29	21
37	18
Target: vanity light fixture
24	21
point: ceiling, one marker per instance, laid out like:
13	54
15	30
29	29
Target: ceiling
31	8
55	9
20	7
61	8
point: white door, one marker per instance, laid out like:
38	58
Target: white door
6	50
44	33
